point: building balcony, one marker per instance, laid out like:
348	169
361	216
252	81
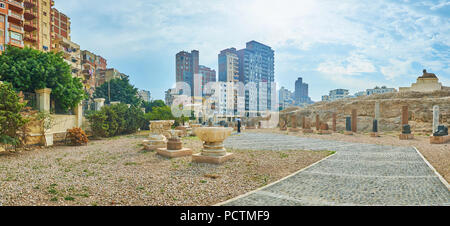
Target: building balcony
29	3
15	5
16	28
30	27
15	17
29	14
16	43
30	38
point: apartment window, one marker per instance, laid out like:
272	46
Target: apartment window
2	5
15	35
45	13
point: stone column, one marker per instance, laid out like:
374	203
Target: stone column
435	118
43	99
334	122
317	122
79	115
303	122
354	121
294	121
377	110
348	124
99	103
405	116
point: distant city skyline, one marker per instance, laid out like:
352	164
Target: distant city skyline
352	45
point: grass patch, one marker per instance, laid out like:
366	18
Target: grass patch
54	199
283	155
130	163
69	198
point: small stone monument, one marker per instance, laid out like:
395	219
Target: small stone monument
158	135
317	122
334	122
294	124
213	150
440	132
354	121
174	147
307	128
348	126
406	128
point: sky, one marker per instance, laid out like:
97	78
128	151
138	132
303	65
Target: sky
349	44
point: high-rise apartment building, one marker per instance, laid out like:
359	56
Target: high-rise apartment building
11	23
60	25
301	95
38	24
257	72
187	64
90	63
229	74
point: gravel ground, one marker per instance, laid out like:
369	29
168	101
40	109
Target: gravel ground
437	154
118	172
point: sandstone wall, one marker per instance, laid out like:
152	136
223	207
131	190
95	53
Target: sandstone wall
420	111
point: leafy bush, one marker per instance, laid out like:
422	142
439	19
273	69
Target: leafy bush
158	113
77	136
116	120
11	119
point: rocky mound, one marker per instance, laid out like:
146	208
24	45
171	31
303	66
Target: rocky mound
420	110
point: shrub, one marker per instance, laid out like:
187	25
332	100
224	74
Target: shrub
116	120
77	136
11	119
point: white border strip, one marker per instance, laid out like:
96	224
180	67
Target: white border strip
282	179
436	172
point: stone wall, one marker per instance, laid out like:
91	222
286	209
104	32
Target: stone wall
420	111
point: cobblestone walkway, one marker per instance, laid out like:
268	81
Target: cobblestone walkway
358	174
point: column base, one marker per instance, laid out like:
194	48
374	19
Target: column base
348	133
174	153
199	158
373	134
406	136
440	139
151	145
322	132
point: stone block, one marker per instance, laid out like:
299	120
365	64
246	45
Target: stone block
199	158
348	133
174	153
374	134
439	139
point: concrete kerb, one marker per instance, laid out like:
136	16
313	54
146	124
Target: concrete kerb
282	179
432	168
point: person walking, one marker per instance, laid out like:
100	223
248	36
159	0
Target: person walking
239	125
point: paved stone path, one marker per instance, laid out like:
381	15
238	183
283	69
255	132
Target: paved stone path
358	174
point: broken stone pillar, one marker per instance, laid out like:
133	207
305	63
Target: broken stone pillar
406	128
79	115
405	116
303	122
354	121
294	123
43	99
377	110
435	118
334	122
99	103
307	128
317	122
174	147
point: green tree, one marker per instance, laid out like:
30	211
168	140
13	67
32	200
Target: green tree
120	90
28	70
10	118
150	105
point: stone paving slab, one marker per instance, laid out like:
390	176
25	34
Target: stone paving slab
358	174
